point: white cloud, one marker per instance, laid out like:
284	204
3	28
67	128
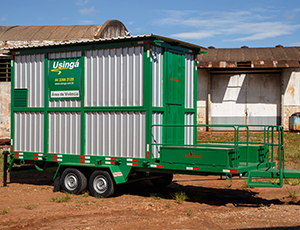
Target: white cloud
86	11
86	22
244	25
81	2
3	18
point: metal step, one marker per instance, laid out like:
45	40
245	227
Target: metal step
269	173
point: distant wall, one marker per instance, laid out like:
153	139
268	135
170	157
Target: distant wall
291	86
4	110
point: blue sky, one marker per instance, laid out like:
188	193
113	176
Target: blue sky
219	23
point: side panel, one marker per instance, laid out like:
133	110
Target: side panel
64	132
29	74
157	76
29	131
114	77
189	131
157	118
189	81
119	134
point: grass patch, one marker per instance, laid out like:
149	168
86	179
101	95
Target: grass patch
86	194
179	197
61	199
5	211
29	206
228	185
169	205
153	196
189	212
293	194
292	182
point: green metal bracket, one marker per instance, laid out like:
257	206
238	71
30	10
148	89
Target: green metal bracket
120	173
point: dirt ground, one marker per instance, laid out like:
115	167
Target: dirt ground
212	203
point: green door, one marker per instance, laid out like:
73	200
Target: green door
174	97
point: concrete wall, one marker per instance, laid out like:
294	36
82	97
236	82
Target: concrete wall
291	89
258	96
202	94
5	110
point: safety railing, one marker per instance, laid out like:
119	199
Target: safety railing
269	139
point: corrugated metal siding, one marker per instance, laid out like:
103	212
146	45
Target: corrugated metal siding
58	104
120	134
114	77
157	119
64	132
157	76
72	54
189	81
29	74
189	131
29	131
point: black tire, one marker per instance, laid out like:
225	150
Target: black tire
101	184
73	181
163	181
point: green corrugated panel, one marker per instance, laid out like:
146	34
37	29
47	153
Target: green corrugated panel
20	97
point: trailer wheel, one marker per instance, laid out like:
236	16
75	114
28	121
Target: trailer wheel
163	181
101	184
73	181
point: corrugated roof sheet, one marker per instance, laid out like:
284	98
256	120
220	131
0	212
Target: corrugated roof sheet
63	43
11	36
275	57
251	54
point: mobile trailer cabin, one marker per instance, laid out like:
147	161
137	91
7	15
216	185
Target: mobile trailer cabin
103	110
91	105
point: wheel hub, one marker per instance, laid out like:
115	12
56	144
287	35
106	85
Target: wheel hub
100	184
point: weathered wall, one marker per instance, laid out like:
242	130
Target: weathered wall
4	110
203	76
291	87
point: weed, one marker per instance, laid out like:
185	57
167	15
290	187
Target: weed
29	206
4	211
228	185
153	196
189	212
292	182
179	197
86	194
169	204
61	199
293	194
87	202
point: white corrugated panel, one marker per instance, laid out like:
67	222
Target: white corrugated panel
157	76
29	74
189	131
114	77
157	118
73	103
189	81
71	54
119	134
64	132
29	131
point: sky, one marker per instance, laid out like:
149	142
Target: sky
218	23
